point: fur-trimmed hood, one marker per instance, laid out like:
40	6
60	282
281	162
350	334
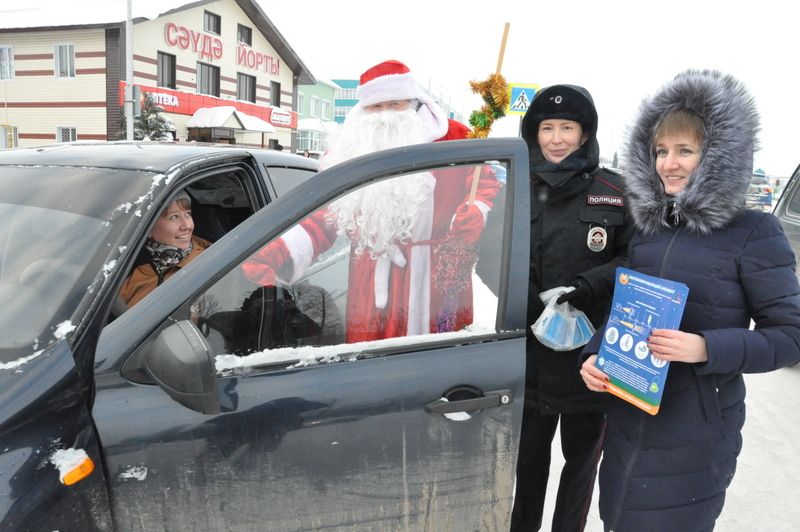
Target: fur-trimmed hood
715	192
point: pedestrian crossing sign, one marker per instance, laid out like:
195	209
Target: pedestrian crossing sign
521	96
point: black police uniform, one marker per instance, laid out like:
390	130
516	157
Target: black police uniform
580	231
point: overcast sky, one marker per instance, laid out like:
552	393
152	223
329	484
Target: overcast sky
620	50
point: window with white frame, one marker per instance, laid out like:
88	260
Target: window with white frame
340	110
6	62
212	22
64	56
207	79
8	137
308	139
275	93
245	88
326	110
66	134
301	100
314	110
346	94
166	70
244	34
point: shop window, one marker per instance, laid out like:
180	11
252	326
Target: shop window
66	134
244	35
64	60
212	23
6	62
166	70
275	93
245	88
207	79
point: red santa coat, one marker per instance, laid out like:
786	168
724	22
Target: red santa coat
392	296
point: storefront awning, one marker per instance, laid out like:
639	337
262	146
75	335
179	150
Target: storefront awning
230	117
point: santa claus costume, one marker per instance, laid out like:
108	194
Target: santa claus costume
396	226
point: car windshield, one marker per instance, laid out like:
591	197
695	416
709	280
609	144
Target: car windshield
60	237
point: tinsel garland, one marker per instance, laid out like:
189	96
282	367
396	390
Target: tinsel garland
494	91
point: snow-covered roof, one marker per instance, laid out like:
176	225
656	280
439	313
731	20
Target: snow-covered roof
221	116
315	124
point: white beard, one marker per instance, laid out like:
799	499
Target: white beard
378	216
364	133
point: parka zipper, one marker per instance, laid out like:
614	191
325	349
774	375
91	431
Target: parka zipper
666	252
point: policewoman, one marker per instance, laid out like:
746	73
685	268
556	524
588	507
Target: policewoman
579	234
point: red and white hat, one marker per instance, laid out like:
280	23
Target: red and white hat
390	80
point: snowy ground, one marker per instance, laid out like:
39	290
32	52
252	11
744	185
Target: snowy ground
764	493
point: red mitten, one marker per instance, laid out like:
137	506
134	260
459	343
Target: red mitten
262	265
467	223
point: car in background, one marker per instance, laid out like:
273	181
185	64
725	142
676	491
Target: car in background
759	194
788	211
216	403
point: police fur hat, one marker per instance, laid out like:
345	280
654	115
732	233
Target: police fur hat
567	102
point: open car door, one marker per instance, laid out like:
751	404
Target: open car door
224	403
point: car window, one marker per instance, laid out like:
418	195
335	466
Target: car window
60	237
285	179
328	283
794	204
219	201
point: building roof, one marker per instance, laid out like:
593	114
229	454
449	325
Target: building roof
221	117
47	15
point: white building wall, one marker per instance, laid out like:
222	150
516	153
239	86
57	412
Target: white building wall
150	38
37	102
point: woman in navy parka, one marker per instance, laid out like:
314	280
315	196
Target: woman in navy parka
689	161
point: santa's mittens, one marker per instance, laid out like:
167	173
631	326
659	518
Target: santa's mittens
467	224
261	266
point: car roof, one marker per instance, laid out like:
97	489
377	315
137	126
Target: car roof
142	155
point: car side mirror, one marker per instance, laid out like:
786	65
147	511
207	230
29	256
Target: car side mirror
180	361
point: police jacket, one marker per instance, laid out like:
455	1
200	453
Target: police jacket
580	228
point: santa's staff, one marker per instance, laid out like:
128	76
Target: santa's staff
455	273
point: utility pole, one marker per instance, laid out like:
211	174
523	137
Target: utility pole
129	74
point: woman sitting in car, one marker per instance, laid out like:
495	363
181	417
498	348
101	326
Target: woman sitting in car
170	247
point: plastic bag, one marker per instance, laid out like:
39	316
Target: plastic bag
561	327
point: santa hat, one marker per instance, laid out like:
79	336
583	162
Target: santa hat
390	80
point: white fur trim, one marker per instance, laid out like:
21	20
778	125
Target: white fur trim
484	210
419	294
481	207
434	119
382	269
387	88
300	247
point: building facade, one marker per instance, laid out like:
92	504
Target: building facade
64	83
315	104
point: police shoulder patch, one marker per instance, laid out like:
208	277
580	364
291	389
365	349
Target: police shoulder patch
605	199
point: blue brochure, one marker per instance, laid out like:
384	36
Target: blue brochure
641	303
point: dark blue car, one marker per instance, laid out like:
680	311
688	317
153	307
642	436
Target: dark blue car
216	405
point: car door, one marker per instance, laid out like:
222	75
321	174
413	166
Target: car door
302	430
788	211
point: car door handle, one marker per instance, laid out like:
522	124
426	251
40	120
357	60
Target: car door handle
489	400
